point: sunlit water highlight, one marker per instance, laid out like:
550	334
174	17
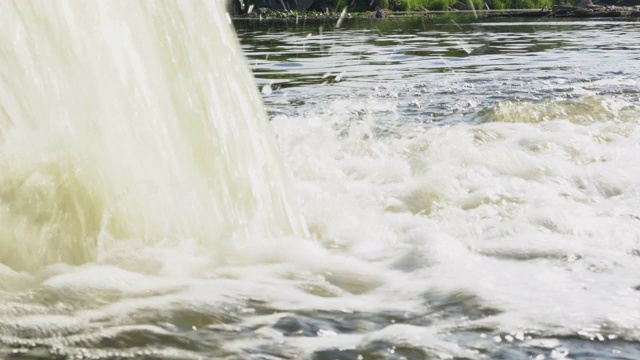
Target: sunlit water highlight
469	189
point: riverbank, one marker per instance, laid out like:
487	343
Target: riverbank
593	11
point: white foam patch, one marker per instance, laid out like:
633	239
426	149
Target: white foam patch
535	218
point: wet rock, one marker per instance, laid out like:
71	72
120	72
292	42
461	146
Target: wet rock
584	3
460	6
287	5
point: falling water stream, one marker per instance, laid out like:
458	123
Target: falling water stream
130	121
427	188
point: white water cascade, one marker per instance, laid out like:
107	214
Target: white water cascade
130	120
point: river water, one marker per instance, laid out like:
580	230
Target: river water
469	190
476	180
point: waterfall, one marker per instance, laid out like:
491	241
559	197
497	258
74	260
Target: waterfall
126	120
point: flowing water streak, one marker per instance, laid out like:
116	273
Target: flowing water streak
130	120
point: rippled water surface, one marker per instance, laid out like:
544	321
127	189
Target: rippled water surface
441	69
470	189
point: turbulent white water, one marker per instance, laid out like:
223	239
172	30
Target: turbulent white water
146	213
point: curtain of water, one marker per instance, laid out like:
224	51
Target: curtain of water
130	120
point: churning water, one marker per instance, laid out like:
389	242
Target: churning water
451	189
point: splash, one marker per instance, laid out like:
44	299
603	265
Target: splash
130	120
584	111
